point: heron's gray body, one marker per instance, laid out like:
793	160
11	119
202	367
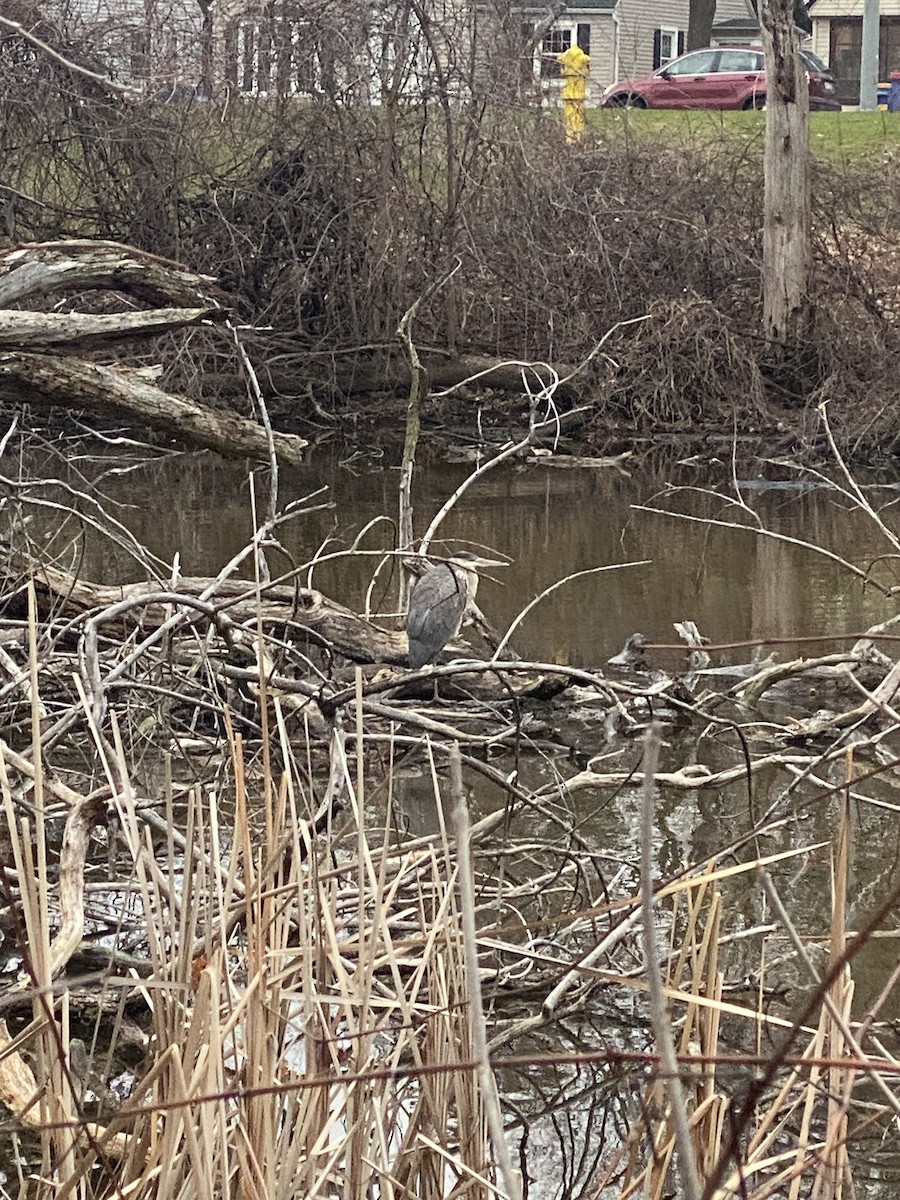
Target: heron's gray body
437	607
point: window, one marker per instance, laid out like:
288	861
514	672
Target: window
273	55
558	41
844	53
889	47
700	63
844	56
740	62
668	43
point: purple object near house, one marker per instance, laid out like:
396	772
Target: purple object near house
894	93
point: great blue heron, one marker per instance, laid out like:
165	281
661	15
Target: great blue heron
438	604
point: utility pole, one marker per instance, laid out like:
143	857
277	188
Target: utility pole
787	254
868	66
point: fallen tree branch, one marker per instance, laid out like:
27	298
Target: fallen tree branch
86	331
690	778
48	268
110	391
143	602
750	691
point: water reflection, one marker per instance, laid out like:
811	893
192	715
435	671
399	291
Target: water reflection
736	586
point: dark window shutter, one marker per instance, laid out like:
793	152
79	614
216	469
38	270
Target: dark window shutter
657	43
681	41
526	62
583	37
231	63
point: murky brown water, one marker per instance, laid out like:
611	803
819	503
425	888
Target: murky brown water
552	523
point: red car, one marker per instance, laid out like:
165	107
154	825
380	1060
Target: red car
718	77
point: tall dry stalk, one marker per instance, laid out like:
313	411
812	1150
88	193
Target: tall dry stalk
295	1048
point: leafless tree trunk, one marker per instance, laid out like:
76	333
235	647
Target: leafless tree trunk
787	252
700	22
205	83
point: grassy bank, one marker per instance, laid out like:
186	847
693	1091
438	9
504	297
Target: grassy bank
844	137
324	225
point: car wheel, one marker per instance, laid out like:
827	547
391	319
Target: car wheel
624	100
755	101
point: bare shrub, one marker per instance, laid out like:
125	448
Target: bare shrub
651	388
326	220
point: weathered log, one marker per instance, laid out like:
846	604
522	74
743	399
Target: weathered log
352	636
47	268
111	391
85	331
392	374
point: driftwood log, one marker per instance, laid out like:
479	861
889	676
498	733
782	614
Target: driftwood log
50	378
74	384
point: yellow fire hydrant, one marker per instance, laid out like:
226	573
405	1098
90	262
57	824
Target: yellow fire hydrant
574	66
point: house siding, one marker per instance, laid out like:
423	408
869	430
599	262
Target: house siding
152	42
603	59
850	8
637	19
821	39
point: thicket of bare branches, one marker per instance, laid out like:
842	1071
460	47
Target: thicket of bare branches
253	921
326	220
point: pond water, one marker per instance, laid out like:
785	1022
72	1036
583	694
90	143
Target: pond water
552	523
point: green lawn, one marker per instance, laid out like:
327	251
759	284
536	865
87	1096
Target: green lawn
841	136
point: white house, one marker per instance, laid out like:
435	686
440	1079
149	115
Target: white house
837	39
628	38
295	47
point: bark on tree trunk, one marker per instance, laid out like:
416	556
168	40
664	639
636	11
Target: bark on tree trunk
787	256
701	15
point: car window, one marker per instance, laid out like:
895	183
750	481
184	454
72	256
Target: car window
693	64
740	60
813	60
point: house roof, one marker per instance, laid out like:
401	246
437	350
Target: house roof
737	25
576	6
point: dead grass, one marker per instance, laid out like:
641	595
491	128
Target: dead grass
311	1032
324	1004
